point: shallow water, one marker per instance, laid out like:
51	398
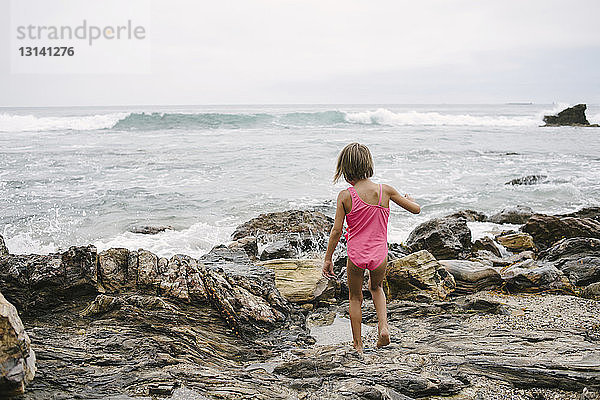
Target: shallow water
87	175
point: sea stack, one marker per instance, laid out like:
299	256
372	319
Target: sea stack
572	116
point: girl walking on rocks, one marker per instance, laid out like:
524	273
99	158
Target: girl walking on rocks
365	207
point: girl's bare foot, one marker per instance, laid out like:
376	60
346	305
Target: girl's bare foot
384	338
358	347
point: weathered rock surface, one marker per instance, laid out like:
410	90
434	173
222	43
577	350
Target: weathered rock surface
291	221
572	116
418	275
586	212
445	238
512	215
17	359
280	249
529	276
592	291
469	215
301	280
471	276
487	244
516	242
3	248
150	230
546	229
527	180
578	258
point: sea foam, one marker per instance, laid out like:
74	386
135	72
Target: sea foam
31	123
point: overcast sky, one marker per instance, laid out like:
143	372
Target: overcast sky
248	51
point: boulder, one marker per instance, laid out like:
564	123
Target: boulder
17	359
547	229
279	249
586	212
469	215
486	243
418	274
115	274
489	259
150	230
530	276
248	243
572	116
36	282
527	180
471	276
296	221
444	238
301	280
512	215
591	291
3	248
578	258
516	242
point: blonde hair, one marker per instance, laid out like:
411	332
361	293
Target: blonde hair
354	163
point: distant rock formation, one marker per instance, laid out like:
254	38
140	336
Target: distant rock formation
573	116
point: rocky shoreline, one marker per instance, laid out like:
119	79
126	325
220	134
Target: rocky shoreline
513	316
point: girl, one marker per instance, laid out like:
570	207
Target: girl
365	206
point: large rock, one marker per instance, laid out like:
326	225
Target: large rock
578	258
546	229
586	212
469	215
418	274
471	276
572	116
445	238
527	180
516	242
17	359
35	282
530	276
512	215
296	221
487	244
301	280
279	249
3	248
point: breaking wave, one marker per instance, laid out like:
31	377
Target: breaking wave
165	121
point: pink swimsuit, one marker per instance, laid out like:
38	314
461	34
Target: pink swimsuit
366	236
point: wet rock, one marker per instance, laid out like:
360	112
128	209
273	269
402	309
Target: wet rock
591	291
292	221
3	248
115	273
516	242
397	250
486	243
280	249
586	212
301	280
528	180
578	258
572	116
546	229
530	276
248	243
445	238
36	282
17	359
489	259
150	230
512	215
469	215
471	277
416	274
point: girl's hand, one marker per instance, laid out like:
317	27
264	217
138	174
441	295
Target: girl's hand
328	270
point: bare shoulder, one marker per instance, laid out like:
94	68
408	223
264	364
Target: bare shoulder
388	189
344	195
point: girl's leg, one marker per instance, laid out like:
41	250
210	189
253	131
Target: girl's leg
376	277
355	282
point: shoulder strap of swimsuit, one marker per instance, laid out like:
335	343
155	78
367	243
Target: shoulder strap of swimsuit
380	191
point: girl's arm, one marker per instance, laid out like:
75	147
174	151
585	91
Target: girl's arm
406	202
334	236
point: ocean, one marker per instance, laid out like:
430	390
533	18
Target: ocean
79	175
